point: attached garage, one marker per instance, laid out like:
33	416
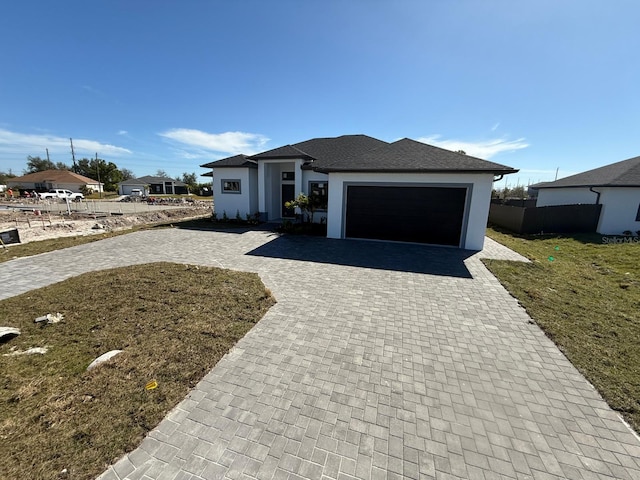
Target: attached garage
430	214
405	191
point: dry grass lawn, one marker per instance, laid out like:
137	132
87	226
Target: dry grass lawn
585	295
173	323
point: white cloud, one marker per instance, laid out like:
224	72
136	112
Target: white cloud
202	143
123	132
495	126
482	149
13	143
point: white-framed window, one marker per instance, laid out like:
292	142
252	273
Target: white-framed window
319	194
231	185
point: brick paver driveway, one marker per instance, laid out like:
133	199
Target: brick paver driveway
379	361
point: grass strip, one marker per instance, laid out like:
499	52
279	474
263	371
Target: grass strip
172	322
585	295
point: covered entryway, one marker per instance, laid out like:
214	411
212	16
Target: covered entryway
406	213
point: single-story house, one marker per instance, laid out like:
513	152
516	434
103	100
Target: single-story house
151	185
402	191
616	187
58	179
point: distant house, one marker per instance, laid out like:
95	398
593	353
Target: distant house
151	185
49	179
403	191
615	186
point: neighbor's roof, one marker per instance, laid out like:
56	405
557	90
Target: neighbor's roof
231	162
408	155
53	176
149	179
620	174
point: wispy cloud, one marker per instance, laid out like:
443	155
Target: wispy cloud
12	143
123	132
495	126
201	144
93	90
481	149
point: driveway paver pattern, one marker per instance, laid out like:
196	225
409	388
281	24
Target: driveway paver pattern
379	360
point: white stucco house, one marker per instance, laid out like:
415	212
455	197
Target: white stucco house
616	187
152	185
402	191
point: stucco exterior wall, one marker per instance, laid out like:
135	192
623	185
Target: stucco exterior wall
74	187
619	205
619	210
244	202
564	196
126	189
479	197
270	185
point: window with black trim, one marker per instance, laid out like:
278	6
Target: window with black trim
638	214
319	194
231	186
288	176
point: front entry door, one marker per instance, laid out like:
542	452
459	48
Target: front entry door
288	194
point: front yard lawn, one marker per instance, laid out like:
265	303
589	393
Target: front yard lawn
585	295
172	322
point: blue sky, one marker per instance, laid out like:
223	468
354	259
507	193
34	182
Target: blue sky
536	85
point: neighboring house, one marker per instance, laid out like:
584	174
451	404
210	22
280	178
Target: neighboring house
401	191
616	187
55	179
151	185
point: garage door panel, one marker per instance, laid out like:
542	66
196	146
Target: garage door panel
406	213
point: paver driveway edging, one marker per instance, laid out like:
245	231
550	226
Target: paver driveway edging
379	361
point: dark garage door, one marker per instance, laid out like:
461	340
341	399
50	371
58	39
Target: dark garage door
406	213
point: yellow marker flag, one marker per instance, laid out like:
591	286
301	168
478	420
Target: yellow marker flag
151	385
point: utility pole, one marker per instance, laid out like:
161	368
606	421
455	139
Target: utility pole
73	156
98	169
557	173
47	154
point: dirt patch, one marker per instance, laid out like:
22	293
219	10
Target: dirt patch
32	227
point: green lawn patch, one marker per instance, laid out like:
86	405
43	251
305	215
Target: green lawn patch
585	295
173	323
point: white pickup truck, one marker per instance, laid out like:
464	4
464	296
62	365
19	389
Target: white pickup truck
61	194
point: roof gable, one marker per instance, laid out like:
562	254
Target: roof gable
324	150
620	174
286	151
319	150
235	161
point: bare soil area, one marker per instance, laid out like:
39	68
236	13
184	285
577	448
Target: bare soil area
32	227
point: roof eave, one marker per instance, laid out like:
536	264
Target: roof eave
250	165
599	185
414	170
259	157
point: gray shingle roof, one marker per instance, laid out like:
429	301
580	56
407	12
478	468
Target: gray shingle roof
361	153
149	179
620	174
320	150
408	155
230	162
287	151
